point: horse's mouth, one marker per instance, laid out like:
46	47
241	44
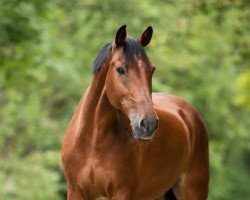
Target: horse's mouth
141	135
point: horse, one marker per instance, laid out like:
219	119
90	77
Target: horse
125	142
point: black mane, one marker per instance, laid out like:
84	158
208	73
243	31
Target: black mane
131	48
101	56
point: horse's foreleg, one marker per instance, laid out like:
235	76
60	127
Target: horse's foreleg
189	188
74	195
194	182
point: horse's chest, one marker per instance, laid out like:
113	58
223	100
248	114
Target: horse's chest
96	179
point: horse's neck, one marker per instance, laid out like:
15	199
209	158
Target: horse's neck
94	114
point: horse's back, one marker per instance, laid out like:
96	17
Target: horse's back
169	102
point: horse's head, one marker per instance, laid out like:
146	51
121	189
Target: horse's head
128	82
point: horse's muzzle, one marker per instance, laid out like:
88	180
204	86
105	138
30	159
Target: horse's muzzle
145	128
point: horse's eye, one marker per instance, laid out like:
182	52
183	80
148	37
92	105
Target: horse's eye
120	71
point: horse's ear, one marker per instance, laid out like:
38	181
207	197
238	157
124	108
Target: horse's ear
146	36
121	36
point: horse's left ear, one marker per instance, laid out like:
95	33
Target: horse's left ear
121	36
146	36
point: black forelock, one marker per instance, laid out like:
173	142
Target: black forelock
132	49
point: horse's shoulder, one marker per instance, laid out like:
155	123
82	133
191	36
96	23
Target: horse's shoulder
168	104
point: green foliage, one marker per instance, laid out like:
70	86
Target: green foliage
201	52
243	99
34	177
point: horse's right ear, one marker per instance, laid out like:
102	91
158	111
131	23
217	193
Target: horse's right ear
146	36
121	36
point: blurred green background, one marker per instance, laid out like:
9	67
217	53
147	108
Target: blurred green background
201	49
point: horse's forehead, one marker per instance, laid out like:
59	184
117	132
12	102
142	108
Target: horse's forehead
119	57
138	61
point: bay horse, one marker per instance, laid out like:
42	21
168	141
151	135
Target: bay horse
125	142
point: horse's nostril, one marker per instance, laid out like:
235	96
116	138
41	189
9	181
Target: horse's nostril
143	124
154	125
149	126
